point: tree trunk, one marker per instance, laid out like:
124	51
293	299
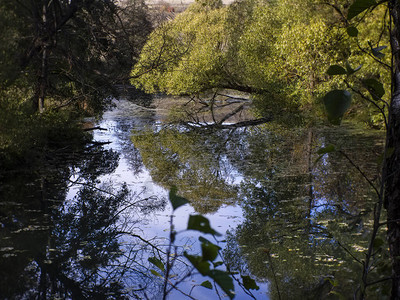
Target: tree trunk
43	72
49	21
392	178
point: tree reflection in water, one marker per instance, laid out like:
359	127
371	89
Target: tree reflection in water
194	161
307	222
85	247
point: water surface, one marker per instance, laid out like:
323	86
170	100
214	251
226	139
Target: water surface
84	226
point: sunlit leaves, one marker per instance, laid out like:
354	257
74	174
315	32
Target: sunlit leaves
265	46
336	103
202	224
212	4
184	56
158	263
300	43
251	44
155	273
358	7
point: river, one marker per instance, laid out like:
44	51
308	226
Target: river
97	224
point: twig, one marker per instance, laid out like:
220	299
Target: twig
95	128
370	101
168	265
361	172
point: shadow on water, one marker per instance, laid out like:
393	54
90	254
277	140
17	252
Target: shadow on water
84	225
55	246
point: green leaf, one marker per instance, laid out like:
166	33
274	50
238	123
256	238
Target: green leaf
376	51
158	263
202	266
336	70
224	281
322	151
339	295
217	264
350	70
358	7
154	272
207	284
333	282
337	102
208	249
380	48
378	242
176	201
352	31
375	88
250	283
328	149
200	223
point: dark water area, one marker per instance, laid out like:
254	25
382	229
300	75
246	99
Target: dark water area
83	225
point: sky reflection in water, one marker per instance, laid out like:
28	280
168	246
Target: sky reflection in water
288	220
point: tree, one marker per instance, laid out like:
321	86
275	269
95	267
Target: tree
373	90
267	49
53	246
285	60
310	219
193	162
392	171
69	52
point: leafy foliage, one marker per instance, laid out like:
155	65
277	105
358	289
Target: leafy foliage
175	159
176	201
358	7
158	263
268	49
69	52
337	102
301	219
200	223
207	284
